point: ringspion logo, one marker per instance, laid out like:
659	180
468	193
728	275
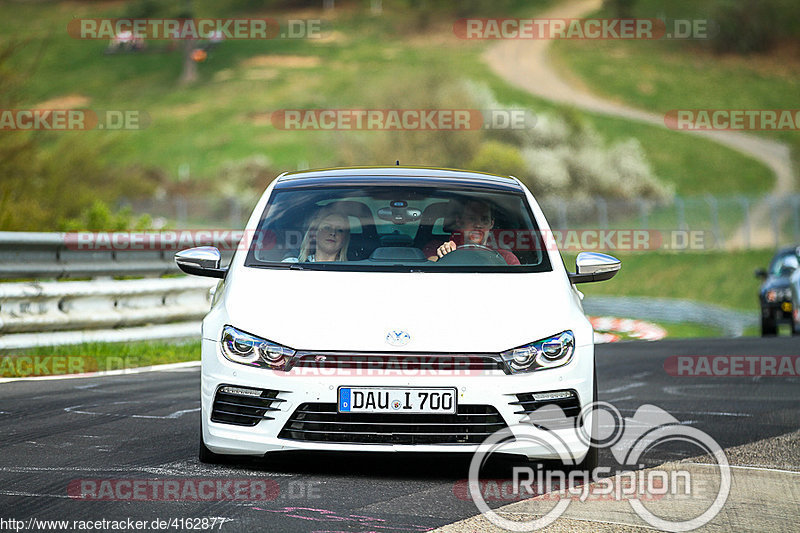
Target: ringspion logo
549	431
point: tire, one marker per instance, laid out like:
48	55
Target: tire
207	456
769	327
592	459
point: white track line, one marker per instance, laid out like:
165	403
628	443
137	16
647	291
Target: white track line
32	494
762	468
120	372
593	521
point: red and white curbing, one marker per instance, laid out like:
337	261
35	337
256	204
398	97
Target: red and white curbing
612	329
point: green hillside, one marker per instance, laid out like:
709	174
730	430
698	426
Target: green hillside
392	59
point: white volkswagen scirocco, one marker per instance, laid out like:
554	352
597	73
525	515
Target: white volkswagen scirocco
393	309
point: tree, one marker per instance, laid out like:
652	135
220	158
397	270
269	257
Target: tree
189	73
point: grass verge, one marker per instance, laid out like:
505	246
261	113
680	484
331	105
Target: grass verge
98	357
226	115
689	330
720	278
662	75
94	357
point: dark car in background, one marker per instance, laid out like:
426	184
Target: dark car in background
775	293
795	286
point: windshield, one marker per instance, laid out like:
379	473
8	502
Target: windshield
401	228
783	265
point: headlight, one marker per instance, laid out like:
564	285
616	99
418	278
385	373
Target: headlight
772	295
779	295
546	353
241	347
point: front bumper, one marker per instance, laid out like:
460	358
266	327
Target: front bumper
301	387
776	310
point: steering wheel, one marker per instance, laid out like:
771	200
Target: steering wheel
473	254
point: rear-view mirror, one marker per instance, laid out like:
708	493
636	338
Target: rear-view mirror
201	261
594	266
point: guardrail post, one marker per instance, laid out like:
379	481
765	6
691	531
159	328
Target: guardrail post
714	208
680	209
235	218
562	215
776	225
602	213
181	210
643	213
746	211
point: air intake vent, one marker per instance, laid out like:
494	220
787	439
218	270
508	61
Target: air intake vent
243	406
399	362
551	409
320	422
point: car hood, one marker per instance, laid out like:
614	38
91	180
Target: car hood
440	312
776	282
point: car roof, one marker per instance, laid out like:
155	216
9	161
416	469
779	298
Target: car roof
400	175
787	251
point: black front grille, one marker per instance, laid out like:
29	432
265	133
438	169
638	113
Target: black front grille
243	409
398	362
557	413
320	422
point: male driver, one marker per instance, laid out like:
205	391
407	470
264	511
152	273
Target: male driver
472	226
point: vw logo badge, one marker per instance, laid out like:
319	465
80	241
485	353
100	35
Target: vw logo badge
398	338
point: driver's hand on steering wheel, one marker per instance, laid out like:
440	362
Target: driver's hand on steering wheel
443	250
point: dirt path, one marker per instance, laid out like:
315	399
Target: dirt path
527	64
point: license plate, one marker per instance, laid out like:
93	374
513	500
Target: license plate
397	400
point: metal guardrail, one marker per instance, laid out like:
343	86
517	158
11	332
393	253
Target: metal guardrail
40	312
729	321
26	255
43	311
55	313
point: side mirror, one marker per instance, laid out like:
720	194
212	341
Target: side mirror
761	273
593	266
202	261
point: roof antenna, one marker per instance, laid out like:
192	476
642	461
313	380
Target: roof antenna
397	163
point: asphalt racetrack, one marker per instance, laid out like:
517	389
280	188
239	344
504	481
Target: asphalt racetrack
56	434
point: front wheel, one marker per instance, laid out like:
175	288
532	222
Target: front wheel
207	456
769	327
592	459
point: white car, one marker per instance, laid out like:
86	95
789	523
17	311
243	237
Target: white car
392	309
